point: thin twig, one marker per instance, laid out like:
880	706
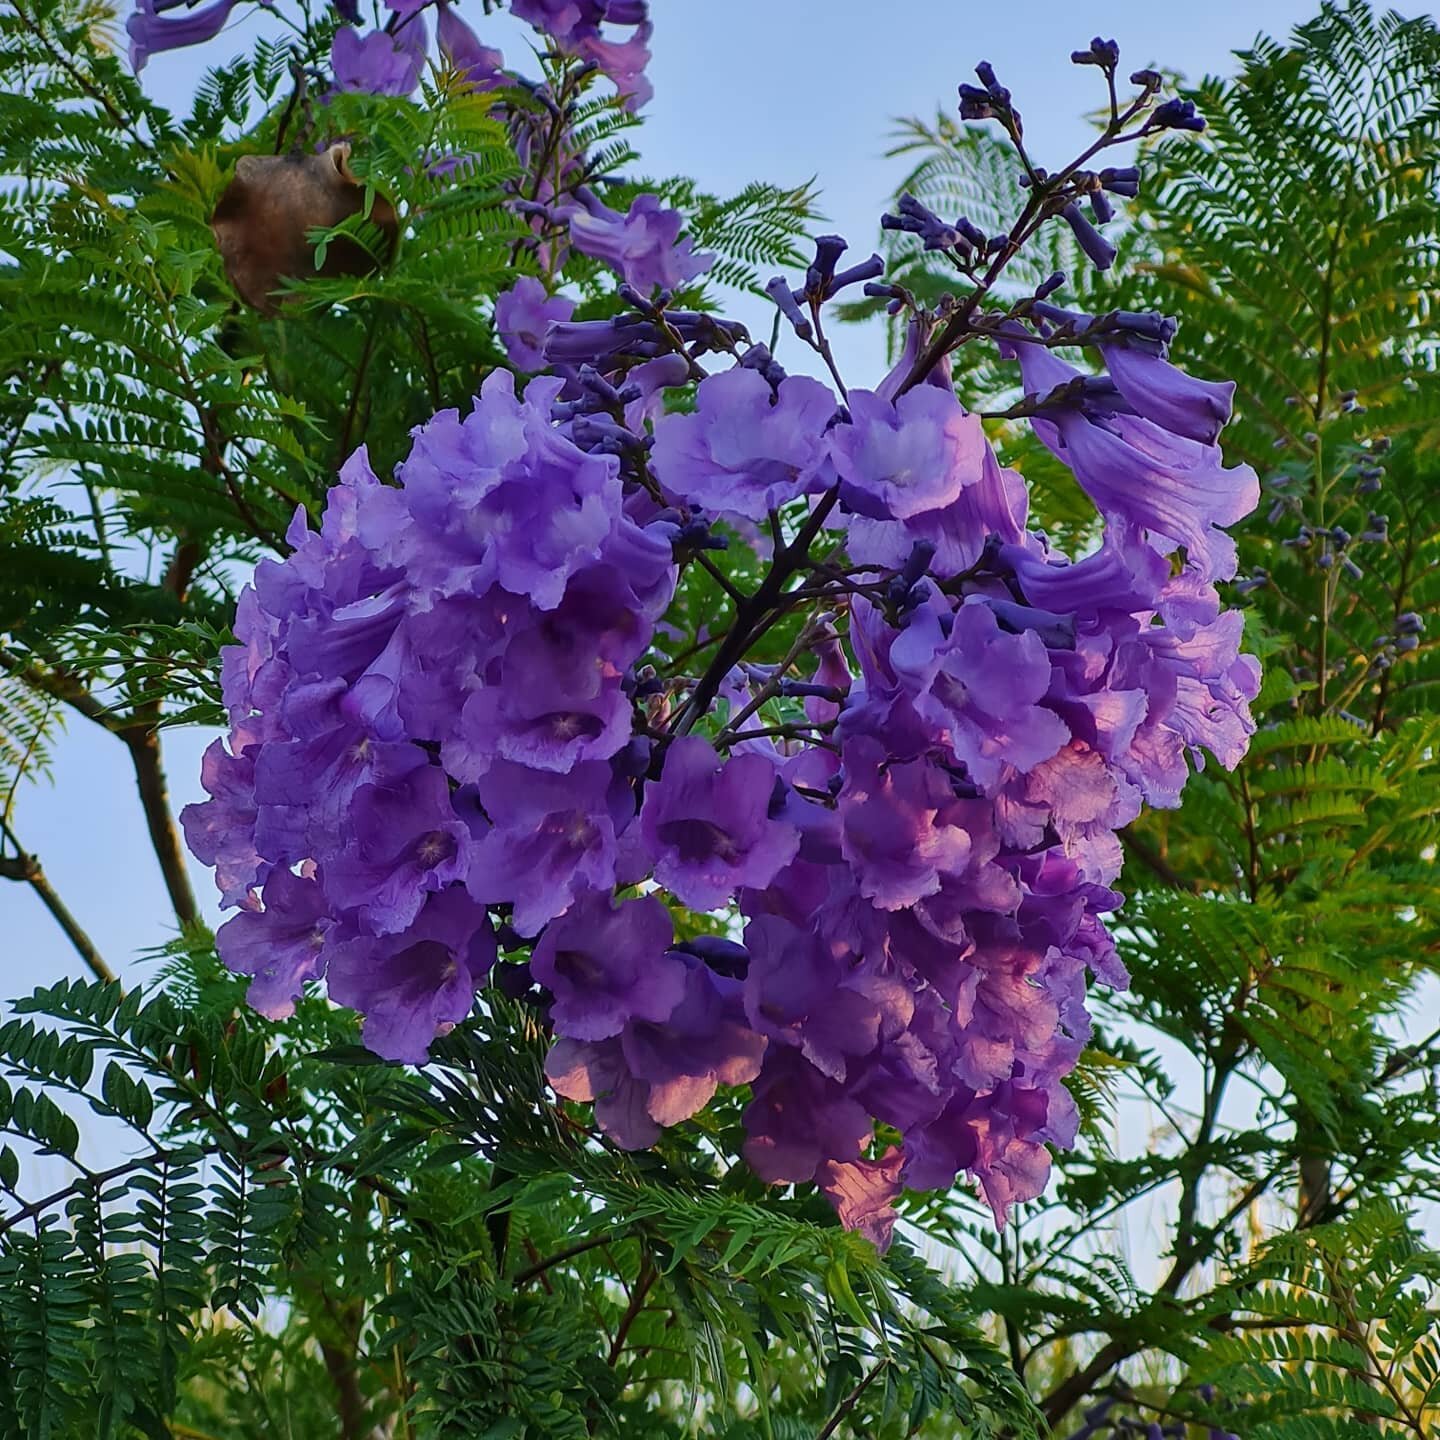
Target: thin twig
24	867
850	1401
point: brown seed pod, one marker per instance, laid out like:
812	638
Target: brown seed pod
262	219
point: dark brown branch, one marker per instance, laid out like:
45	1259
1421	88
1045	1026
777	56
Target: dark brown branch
143	742
647	1277
530	1272
850	1401
25	868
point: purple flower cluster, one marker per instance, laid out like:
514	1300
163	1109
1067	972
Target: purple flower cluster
430	712
440	732
390	60
871	883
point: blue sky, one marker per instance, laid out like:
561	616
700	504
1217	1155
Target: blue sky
744	89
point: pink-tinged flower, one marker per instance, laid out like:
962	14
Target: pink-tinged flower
704	1043
863	1193
707	824
574	25
896	828
595	1072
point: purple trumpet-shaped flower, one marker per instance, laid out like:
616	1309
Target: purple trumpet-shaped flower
152	31
281	946
607	965
380	62
523	314
220	831
418	983
799	1119
746	449
707	824
574	25
1140	472
482	67
801	990
551	837
643	246
406	841
899	460
1161	392
982	688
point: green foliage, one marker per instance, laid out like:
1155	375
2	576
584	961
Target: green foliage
452	1243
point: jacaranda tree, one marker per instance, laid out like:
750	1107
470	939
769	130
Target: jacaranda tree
673	810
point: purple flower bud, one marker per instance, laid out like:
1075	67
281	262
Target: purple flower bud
1104	53
573	342
1101	208
828	250
759	358
865	270
917	219
1406	643
724	957
1050	285
1352	569
1177	115
1147	79
809	690
971	232
1409	623
1123	181
779	291
1100	251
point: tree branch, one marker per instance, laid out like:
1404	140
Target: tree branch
24	867
142	740
143	743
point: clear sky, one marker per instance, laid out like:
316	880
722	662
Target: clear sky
780	89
